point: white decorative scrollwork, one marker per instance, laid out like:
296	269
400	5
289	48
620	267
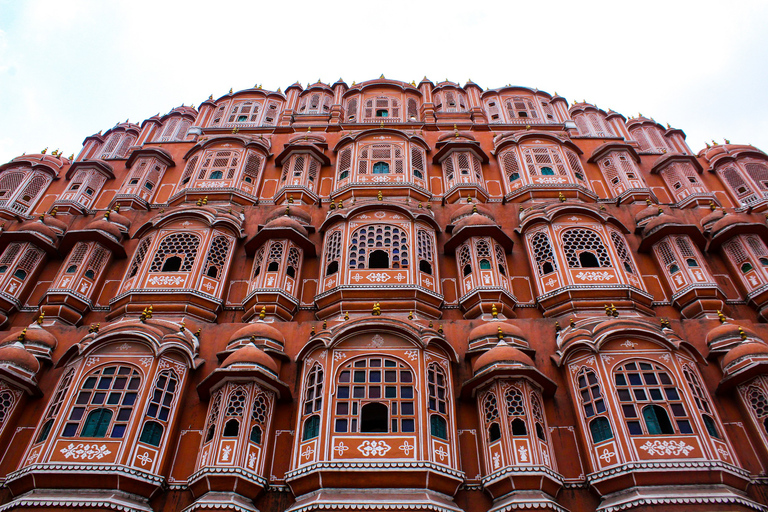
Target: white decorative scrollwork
378	277
85	451
373	448
412	354
165	280
440	452
144	458
338	356
628	344
606	455
406	447
341	448
591	275
667	448
552	180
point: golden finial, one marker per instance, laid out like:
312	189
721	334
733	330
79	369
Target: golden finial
499	333
210	97
420	205
648	201
252	339
727	141
440	329
340	205
44	151
309	129
205	200
429	206
332	206
235	129
665	324
410	315
290	198
707	144
198	333
608	310
199	202
381	125
376	309
469	199
42	217
230	90
571	322
602	207
144	315
182	326
430	324
379	196
325	325
106	214
714	142
287	210
40	318
474	208
72	156
455	131
557	327
312	332
382	76
494	311
346	315
22	335
94	328
712	205
742	334
561	197
614	311
721	316
263	312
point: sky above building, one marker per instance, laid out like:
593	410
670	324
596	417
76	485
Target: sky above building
69	69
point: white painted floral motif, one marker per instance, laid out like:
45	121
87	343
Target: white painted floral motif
373	448
227	451
412	354
377	341
341	448
594	276
407	447
145	361
607	456
165	280
124	347
144	458
308	452
91	361
33	457
85	451
378	277
251	460
667	448
440	452
628	344
337	356
496	460
522	453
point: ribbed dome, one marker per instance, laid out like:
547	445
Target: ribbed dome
730	220
286	222
491	330
714	216
106	226
53	222
646	213
468	210
292	211
259	330
751	348
14	354
728	331
33	335
119	219
473	220
250	354
39	226
501	353
659	221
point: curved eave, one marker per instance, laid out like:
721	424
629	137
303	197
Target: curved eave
668	158
449	147
252	92
148	151
258	374
26	384
510	88
262	143
660	232
742	228
266	234
291	148
743	376
549	214
465	232
36	164
343	215
382	82
352	137
207	215
100	165
733	155
613	146
32	237
504	370
92	235
515	138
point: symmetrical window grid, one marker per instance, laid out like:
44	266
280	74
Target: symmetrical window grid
159	407
749	254
485	258
425	245
450	101
650	139
86	260
381	108
176	253
144	177
437	401
300	170
116	145
273	257
103	406
84	187
138	257
682	180
213	416
20	188
676	253
216	259
246	113
332	253
702	400
648	395
620	172
245	413
18	261
8	400
491	416
375	394
313	403
755	394
621	249
381	158
585	249
52	412
315	103
378	246
219	164
592	124
593	405
747	180
173	129
542	161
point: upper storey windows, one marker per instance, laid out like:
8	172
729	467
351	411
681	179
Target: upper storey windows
315	102
263	110
649	135
519	106
746	179
173	129
21	188
450	100
116	145
379	105
388	160
593	124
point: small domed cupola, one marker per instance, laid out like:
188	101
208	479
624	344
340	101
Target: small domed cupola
248	362
36	340
260	334
504	360
488	334
742	363
19	367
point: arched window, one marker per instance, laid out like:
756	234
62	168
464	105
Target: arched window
378	259
332	253
544	161
538	416
381	168
521	108
375	239
181	248
138	257
542	253
516	412
104	404
313	402
275	256
758	402
511	166
234	412
621	249
374	417
593	404
701	399
259	416
213	416
159	407
585	246
424	246
217	257
437	396
382	107
465	260
352	110
20	188
381	158
386	382
649	386
55	406
491	415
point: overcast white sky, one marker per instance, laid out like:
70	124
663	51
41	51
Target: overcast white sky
71	68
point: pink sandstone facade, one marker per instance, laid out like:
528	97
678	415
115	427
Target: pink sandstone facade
385	296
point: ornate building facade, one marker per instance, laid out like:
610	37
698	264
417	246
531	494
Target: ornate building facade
385	296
